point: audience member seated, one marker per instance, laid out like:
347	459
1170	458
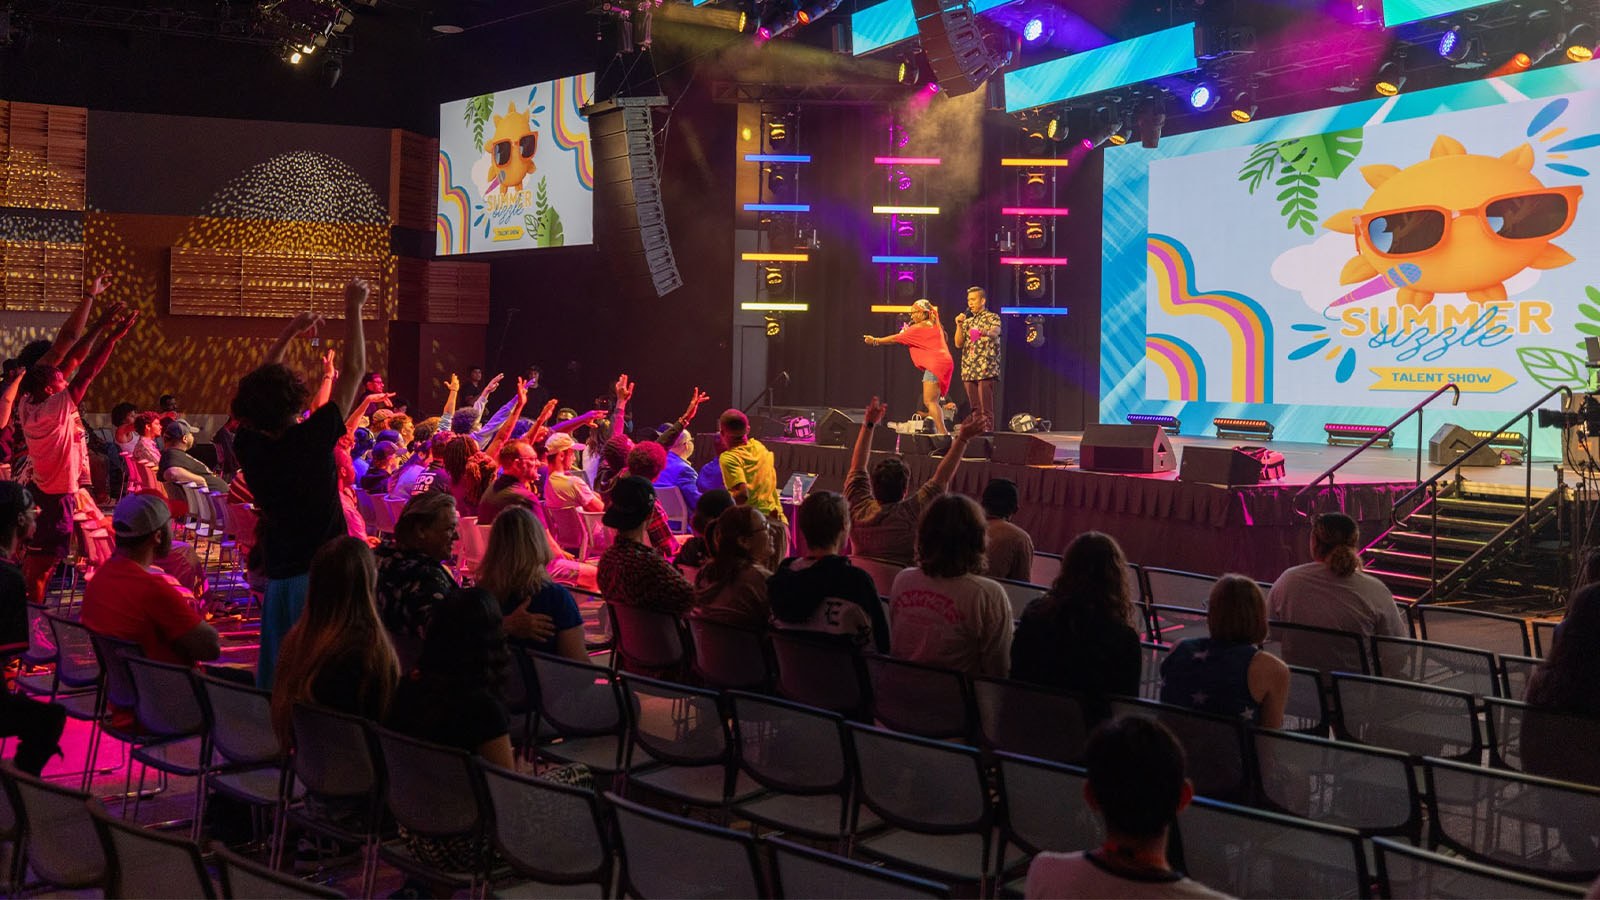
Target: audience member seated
822	591
222	440
354	524
338	654
131	599
1077	637
147	433
676	472
36	726
710	477
696	550
515	569
411	573
380	468
519	467
631	572
178	467
883	520
428	476
613	465
469	471
1227	673
732	588
944	612
1137	786
123	435
1010	553
566	489
1565	683
1332	591
646	461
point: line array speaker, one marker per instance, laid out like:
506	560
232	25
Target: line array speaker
950	36
627	190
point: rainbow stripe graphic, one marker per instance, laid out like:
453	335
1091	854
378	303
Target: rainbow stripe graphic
1246	323
1185	370
571	129
455	211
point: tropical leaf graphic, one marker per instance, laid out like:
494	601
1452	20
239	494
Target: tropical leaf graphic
1552	368
477	114
546	227
1259	166
1299	199
1322	155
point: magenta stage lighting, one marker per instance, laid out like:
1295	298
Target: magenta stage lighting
933	87
901	179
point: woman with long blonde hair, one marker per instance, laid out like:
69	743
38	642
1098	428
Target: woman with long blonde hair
337	654
515	569
924	337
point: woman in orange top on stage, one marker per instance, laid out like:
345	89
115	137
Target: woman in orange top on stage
924	337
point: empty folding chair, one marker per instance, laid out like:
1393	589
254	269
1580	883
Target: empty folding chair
1439	665
934	795
1046	568
1494	632
1150	659
582	705
1368	789
1544	637
883	573
826	671
1171	624
64	849
79	687
549	833
1411	873
1020	593
1042	809
173	738
1411	718
1544	742
1030	720
1173	587
667	856
1246	852
248	763
729	657
1536	826
1515	671
1217	746
799	754
143	862
1327	650
678	512
436	796
333	761
244	879
920	699
684	729
800	871
647	640
1306	710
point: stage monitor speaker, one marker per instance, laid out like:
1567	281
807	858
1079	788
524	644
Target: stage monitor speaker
1126	448
1450	441
950	37
1022	450
629	219
1227	466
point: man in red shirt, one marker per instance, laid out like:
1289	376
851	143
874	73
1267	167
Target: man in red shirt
131	599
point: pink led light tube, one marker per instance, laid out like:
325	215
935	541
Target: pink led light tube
1033	211
1033	260
907	160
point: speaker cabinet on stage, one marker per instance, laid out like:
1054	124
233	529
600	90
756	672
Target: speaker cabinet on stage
1450	441
628	215
1126	448
1219	465
1014	449
954	45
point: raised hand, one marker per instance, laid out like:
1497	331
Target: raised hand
870	340
522	392
494	382
305	324
355	296
695	400
548	411
110	314
329	371
623	389
99	285
123	325
453	383
376	398
972	427
876	410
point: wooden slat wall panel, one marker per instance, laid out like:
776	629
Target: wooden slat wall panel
40	276
268	285
411	290
44	153
413	177
442	293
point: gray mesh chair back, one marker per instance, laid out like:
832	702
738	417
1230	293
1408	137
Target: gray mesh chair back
143	863
551	833
789	747
243	878
1411	873
1439	665
333	760
1251	853
1544	742
1411	718
1042	806
676	724
41	643
801	871
1306	710
1532	825
1544	637
883	573
1045	569
666	856
113	654
1030	720
77	665
1494	632
577	699
1150	658
824	671
432	791
1327	650
1171	624
1020	593
1217	747
64	849
1370	790
647	639
729	657
241	723
1173	587
1138	598
1515	671
168	703
920	699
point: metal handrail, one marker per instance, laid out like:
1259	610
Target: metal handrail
1327	475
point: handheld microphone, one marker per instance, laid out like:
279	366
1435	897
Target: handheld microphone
1403	275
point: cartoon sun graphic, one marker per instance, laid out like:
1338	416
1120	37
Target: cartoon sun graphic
511	148
1468	222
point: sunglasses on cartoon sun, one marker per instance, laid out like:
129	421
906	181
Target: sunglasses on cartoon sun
526	145
1525	216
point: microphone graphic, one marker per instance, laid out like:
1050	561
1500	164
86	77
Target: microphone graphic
1403	275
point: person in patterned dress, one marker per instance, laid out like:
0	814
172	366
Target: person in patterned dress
978	339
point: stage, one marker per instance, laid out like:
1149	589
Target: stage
1162	521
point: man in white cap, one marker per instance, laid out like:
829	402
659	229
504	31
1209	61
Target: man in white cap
130	598
564	488
178	467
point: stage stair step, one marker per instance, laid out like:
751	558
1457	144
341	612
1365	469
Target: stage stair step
1389	577
1446	542
1446	563
1462	524
1485	507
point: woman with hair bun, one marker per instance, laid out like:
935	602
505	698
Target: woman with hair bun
1332	591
